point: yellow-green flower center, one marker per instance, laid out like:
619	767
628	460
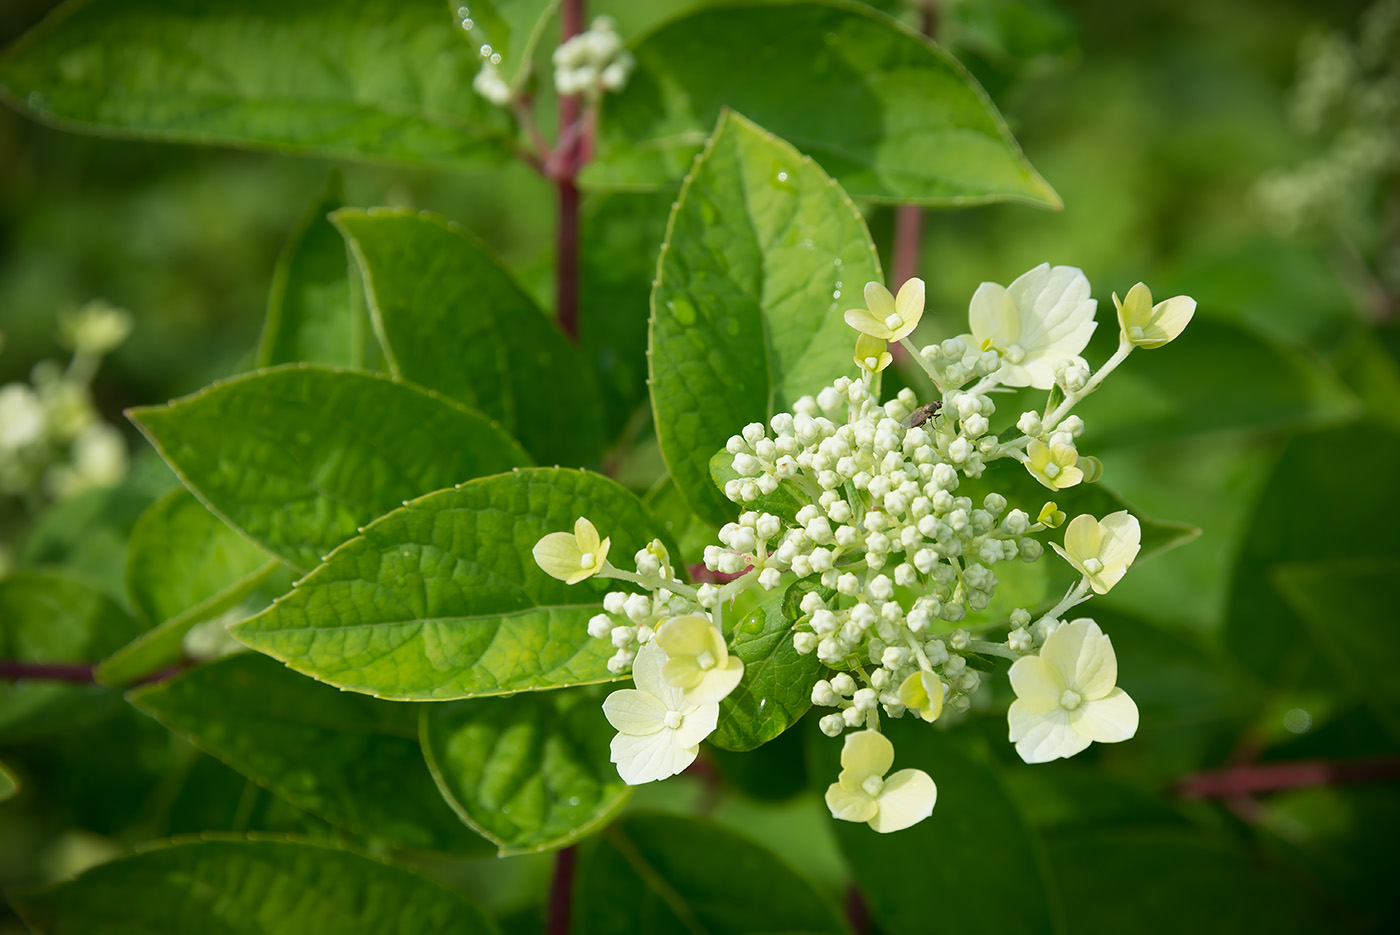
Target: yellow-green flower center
1093	566
585	560
1015	354
1071	699
872	786
705	660
673	719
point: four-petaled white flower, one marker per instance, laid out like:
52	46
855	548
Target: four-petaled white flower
887	317
1055	466
571	558
1042	318
1102	549
659	729
861	793
1066	697
697	661
1147	325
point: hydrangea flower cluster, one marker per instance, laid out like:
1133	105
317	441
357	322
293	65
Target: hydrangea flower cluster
864	502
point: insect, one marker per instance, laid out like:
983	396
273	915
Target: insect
922	414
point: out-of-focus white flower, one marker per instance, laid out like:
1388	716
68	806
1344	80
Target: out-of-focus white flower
21	417
1102	549
490	85
1055	466
97	328
99	459
1066	697
1042	318
861	793
659	729
697	660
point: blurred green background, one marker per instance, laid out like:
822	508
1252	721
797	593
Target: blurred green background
1272	426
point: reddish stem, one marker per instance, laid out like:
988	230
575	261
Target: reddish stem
561	891
1240	782
79	673
568	158
857	912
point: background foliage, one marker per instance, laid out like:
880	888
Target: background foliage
1260	788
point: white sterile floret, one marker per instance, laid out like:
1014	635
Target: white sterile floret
1102	549
888	317
572	558
22	420
862	793
697	659
490	85
1043	317
659	729
1150	326
1066	697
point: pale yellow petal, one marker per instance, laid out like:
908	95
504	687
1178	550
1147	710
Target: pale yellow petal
717	683
1122	538
1037	683
649	758
558	555
1082	537
879	301
866	323
1040	738
586	535
866	753
850	806
1107	720
907	799
698	724
634	712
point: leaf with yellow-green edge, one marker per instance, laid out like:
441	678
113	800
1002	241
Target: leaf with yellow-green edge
315	311
886	111
233	885
352	760
298	457
442	599
449	317
763	254
531	772
382	80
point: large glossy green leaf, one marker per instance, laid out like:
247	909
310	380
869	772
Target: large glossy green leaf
662	874
451	318
182	558
349	759
386	80
975	834
315	312
442	599
47	617
530	772
884	110
233	886
763	254
299	457
776	688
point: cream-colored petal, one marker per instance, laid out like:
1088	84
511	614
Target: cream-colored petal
1056	310
847	805
683	672
1083	656
1107	720
587	535
1169	319
1040	738
866	753
686	636
1135	309
879	301
1082	538
907	799
872	348
646	672
558	555
647	759
716	684
697	724
1121	538
1038	683
634	712
866	323
910	301
1104	581
991	316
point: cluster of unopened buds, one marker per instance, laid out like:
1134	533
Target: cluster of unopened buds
590	63
858	503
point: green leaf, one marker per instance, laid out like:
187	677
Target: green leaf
315	312
530	772
231	886
511	28
183	567
976	834
9	785
305	77
886	111
617	266
298	457
451	318
46	617
776	688
688	530
442	599
351	760
1348	606
181	558
747	310
1193	387
661	874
